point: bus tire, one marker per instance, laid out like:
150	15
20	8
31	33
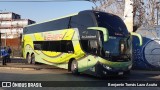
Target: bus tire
74	67
33	59
28	58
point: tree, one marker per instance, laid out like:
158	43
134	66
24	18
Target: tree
144	11
111	6
138	14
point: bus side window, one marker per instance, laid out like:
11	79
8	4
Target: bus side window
67	46
55	46
63	46
37	45
82	21
85	45
45	46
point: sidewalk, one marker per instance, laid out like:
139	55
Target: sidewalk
19	63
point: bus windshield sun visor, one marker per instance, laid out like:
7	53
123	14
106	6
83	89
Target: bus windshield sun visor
104	30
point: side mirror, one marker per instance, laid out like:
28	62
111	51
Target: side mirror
104	30
139	37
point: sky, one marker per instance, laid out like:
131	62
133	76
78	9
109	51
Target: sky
43	11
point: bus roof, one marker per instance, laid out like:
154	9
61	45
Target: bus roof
52	20
65	17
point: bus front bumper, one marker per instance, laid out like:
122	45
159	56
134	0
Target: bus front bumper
103	70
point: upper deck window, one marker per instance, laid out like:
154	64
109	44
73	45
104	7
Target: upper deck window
82	20
48	26
113	23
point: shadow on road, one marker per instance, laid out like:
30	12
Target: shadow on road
135	75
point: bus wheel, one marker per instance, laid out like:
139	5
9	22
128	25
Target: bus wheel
33	59
74	67
28	58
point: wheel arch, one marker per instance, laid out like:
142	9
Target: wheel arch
32	54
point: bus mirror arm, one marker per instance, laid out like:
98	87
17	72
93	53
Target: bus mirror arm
104	30
139	37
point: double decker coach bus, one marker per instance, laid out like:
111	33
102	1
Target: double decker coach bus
91	42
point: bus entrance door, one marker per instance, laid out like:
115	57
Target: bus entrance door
93	49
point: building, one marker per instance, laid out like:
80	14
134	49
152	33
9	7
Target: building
11	29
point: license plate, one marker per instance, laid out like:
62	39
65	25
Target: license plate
120	73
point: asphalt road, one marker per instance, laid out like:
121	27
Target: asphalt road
64	75
55	74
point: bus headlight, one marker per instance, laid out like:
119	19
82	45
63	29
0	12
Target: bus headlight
107	67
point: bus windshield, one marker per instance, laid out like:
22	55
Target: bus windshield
118	47
113	23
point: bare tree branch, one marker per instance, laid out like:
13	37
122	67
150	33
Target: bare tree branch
144	11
